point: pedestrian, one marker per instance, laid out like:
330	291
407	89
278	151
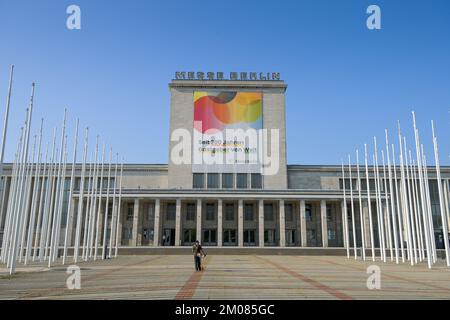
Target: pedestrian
198	251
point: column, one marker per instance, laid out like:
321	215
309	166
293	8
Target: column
156	226
178	223
282	225
261	223
303	233
241	223
199	221
324	222
135	222
219	222
119	214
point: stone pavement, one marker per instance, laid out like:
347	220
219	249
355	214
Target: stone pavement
227	277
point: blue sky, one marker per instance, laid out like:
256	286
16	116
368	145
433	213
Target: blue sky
345	83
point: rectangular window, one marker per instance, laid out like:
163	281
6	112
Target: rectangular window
171	211
256	181
248	212
227	180
198	180
308	212
210	211
289	212
190	211
229	212
241	182
329	213
130	211
268	212
213	180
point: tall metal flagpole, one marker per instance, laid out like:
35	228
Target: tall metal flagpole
87	213
41	205
119	209
391	189
377	203
369	204
410	205
441	197
5	131
35	198
361	215
380	204
386	197
93	202
399	211
430	213
416	208
97	232
80	199
345	214
114	218
404	199
352	206
422	192
70	204
105	222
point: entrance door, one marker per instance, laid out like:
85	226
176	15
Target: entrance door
147	236
290	237
229	237
249	237
168	237
269	237
189	236
209	237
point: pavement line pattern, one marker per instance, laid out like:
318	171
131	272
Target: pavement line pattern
187	291
389	276
87	279
334	292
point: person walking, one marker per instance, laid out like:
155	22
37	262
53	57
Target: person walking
198	252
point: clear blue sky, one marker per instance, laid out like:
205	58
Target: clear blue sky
345	82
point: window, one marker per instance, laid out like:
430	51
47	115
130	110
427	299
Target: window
213	180
289	212
189	235
210	211
241	182
130	211
171	208
198	180
256	181
268	212
127	233
190	211
329	213
308	212
248	212
229	212
331	234
227	180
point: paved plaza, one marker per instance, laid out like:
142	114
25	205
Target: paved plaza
227	277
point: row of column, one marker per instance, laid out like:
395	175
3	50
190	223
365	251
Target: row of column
240	215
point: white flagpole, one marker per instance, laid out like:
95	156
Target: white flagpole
418	234
105	223
422	192
361	215
419	213
410	205
352	206
41	205
441	197
369	204
70	200
386	197
119	210
93	202
5	131
47	204
114	218
391	189
430	213
380	242
35	198
97	232
380	205
87	213
80	199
